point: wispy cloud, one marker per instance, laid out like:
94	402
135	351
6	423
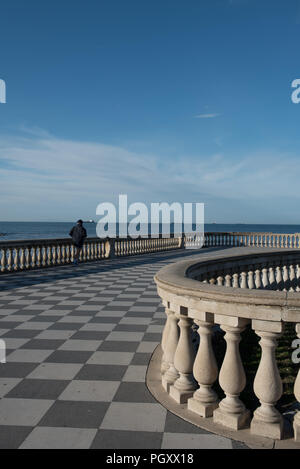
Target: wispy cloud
44	177
207	116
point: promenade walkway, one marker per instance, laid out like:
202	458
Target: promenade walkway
79	340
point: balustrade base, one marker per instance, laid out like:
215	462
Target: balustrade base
180	396
167	383
270	430
233	421
296	426
201	408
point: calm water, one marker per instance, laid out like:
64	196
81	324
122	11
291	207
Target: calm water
34	230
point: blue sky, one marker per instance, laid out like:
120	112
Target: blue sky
186	101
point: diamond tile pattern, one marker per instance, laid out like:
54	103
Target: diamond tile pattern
79	340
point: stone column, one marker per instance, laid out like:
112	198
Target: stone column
267	421
205	400
184	358
232	412
171	374
297	395
164	340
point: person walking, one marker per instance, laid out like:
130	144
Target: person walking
78	234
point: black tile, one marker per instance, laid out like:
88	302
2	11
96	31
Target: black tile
21	334
90	335
43	344
101	372
69	356
38	389
176	424
11	437
141	359
75	414
65	326
131	327
121	346
112	439
133	392
16	369
152	337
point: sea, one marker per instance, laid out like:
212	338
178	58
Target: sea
12	231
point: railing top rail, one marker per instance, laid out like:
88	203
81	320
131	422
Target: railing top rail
173	283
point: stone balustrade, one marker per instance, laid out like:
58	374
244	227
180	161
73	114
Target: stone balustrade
40	253
231	293
235	239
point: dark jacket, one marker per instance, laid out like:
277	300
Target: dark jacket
78	234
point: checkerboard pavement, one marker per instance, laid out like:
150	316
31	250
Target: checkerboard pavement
79	340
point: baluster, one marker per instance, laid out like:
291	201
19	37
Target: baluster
204	400
231	411
220	279
58	259
22	258
171	374
244	279
185	385
28	257
33	256
267	421
279	281
228	280
63	254
54	254
292	279
9	260
164	340
296	424
257	278
285	278
265	279
38	256
16	259
251	284
3	259
272	279
235	280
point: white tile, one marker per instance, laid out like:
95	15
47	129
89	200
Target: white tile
126	336
135	373
59	438
23	412
135	321
97	327
53	334
195	441
75	319
64	371
147	347
83	390
81	345
7	384
134	417
110	358
29	356
34	325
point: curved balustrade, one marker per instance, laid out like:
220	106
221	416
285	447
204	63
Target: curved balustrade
32	254
233	293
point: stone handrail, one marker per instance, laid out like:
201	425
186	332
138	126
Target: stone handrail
36	254
39	253
272	240
206	304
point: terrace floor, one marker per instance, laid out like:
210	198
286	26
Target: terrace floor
79	340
